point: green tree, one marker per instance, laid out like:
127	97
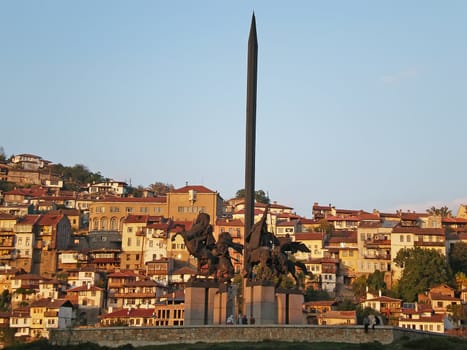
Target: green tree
160	188
423	269
458	257
312	294
346	305
2	155
260	196
76	176
443	211
359	287
5	300
325	226
375	282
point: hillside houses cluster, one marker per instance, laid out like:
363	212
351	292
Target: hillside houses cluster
98	256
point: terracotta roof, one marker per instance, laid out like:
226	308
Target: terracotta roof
229	222
50	220
413	216
343	218
309	236
29	219
122	313
132	200
184	271
6	216
454	220
84	288
50	303
418	230
135	219
385	299
197	188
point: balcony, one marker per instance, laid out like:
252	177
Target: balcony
378	256
428	244
375	243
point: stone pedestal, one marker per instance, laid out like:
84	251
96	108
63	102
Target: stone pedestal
199	302
289	306
260	302
224	303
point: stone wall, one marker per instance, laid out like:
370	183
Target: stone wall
142	336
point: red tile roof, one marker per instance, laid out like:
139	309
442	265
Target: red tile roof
418	230
122	313
50	220
197	188
309	236
135	219
229	222
132	200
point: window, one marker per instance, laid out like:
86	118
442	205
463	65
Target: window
408	238
28	242
150	243
401	238
129	210
128	243
129	229
138	242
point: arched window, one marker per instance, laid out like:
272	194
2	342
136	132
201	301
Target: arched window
114	224
104	224
95	224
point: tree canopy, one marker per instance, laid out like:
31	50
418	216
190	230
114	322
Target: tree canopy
423	269
458	257
260	196
76	176
443	211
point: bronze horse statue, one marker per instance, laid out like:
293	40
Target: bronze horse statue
199	242
213	257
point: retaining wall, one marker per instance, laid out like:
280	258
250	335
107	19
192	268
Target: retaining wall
142	336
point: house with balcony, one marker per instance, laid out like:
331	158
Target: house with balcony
390	307
7	239
20	321
49	314
144	238
26	230
314	241
24	289
439	298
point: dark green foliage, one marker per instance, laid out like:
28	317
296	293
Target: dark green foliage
359	287
458	257
346	305
5	300
313	295
260	196
76	176
443	211
423	269
375	282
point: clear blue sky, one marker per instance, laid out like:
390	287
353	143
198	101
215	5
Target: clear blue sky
361	104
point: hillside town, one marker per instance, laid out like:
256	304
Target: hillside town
100	256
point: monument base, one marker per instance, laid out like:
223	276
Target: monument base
290	306
199	302
225	304
260	303
266	305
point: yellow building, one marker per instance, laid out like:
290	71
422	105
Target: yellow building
185	203
108	214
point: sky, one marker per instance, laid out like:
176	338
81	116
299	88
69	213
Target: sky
361	104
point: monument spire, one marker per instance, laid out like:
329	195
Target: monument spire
252	75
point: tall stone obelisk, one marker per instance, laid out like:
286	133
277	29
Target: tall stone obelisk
251	126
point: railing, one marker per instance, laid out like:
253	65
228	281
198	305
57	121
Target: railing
428	244
378	256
